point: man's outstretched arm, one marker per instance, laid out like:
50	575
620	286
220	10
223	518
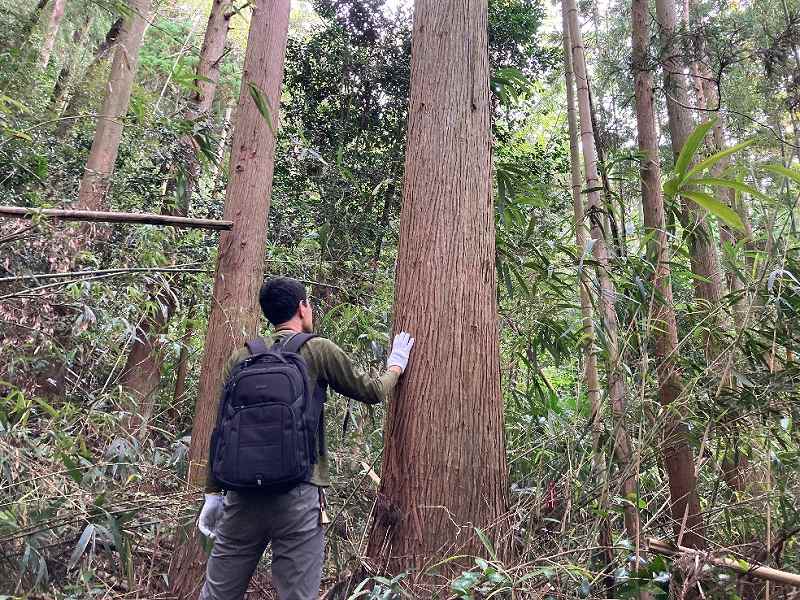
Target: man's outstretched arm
345	378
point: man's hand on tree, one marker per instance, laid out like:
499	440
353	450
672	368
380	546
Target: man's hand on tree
401	349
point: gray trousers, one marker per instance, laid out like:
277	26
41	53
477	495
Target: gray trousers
248	524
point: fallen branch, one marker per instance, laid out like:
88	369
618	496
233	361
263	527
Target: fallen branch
17	212
740	566
188	268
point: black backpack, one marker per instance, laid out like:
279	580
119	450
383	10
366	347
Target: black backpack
270	421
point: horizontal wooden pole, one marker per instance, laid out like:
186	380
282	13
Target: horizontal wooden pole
740	566
17	212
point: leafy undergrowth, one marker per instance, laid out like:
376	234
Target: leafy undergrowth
88	513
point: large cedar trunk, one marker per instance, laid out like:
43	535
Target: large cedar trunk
240	270
103	155
678	457
623	447
143	369
53	25
444	468
593	391
81	97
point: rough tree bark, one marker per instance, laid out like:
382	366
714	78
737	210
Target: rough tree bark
678	456
623	447
141	376
103	155
591	374
81	97
234	309
444	430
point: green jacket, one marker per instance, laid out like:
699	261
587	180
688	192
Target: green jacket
329	363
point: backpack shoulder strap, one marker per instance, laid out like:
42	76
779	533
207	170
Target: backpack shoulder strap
294	342
257	346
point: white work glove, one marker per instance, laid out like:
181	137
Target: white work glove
401	348
209	515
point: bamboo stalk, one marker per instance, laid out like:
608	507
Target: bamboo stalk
740	566
17	212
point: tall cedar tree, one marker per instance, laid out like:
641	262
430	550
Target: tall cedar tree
234	307
100	164
444	465
142	373
678	458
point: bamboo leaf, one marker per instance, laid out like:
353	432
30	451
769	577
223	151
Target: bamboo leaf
715	207
80	547
709	162
671	186
784	171
690	147
262	104
486	543
735	184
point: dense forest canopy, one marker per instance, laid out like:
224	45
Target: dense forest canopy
644	173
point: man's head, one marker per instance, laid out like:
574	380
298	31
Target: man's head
284	302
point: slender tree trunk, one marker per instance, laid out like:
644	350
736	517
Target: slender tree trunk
623	447
216	168
707	96
51	33
703	249
81	97
142	375
182	369
100	165
444	430
234	306
591	374
678	457
62	81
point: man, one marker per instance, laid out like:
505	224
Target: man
243	524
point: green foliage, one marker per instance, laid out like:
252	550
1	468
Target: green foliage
86	505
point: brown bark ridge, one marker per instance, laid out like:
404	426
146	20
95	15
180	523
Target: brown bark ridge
81	97
234	309
50	34
623	447
591	374
678	456
444	468
100	164
142	374
703	250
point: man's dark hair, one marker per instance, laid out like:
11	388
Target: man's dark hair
280	297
